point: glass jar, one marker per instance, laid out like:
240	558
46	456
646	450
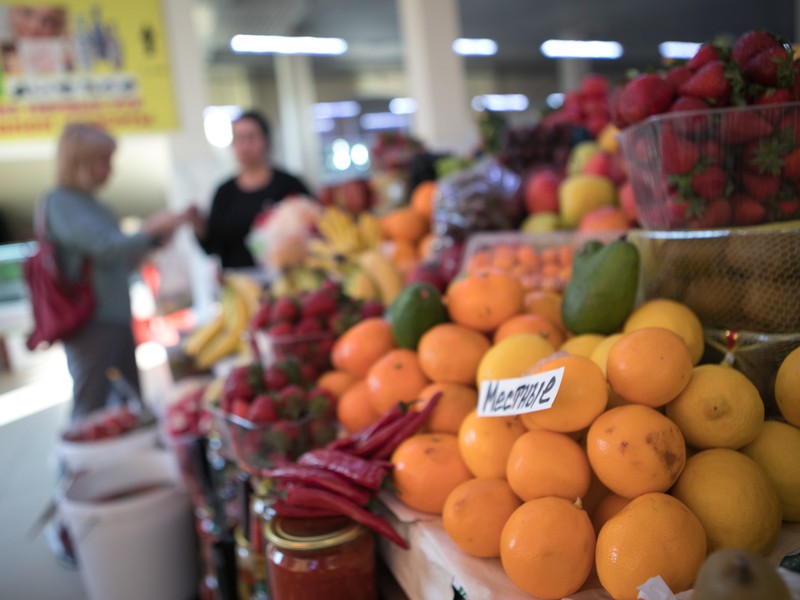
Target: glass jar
331	558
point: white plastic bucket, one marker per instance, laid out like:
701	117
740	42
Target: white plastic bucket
138	546
93	455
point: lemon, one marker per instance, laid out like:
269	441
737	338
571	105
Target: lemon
733	498
599	355
580	194
671	315
719	408
513	357
776	450
582	345
787	387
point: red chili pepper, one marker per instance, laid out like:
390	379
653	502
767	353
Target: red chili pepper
411	427
321	499
344	444
398	410
282	508
358	470
372	444
317	477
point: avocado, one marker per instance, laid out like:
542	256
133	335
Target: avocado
602	291
416	309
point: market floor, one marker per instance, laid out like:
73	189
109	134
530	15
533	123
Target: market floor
34	405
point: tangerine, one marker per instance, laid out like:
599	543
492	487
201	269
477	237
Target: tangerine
485	300
476	511
405	224
608	507
672	315
422	198
513	357
485	443
395	377
358	348
547	304
336	382
354	409
456	402
451	353
426	468
530	323
582	345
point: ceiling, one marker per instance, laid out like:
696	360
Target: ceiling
372	30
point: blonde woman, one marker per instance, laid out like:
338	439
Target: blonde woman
82	227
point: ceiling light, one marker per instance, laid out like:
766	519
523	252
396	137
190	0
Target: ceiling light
336	110
475	47
402	106
385	120
359	154
341	155
278	44
555	100
682	50
324	125
500	102
217	124
581	49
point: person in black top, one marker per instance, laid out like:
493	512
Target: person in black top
239	200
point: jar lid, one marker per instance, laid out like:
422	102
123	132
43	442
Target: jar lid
311	534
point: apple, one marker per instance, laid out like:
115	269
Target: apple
427	272
627	201
541	191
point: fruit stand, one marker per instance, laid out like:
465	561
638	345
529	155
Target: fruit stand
567	370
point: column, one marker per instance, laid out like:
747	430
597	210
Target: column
436	75
571	72
296	97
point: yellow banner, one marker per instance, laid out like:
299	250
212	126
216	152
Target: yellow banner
103	61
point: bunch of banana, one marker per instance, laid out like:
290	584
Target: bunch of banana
374	277
222	335
340	231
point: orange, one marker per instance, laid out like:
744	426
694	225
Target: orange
425	247
405	224
484	301
634	450
422	198
608	507
450	353
547	304
426	468
396	377
649	366
456	402
583	395
476	511
530	323
544	463
655	534
599	355
582	345
354	409
671	315
485	443
504	257
403	254
547	547
336	382
513	357
360	346
597	490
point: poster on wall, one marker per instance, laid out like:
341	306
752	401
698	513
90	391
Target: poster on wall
102	61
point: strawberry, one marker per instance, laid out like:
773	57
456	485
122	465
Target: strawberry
308	326
263	409
291	402
237	385
741	126
317	304
371	308
594	85
770	67
763	156
644	96
787	208
322	403
704	55
281	329
309	370
751	43
240	408
711	152
761	187
791	165
684	103
261	318
678	209
678	155
275	378
709	184
796	80
614	99
747	211
773	95
284	309
677	75
709	83
717	213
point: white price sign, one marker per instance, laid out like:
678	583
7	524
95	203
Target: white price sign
520	395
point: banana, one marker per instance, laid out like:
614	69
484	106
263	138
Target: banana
226	340
248	288
369	229
221	346
387	276
359	285
340	230
203	335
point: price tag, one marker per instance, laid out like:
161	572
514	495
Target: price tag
520	395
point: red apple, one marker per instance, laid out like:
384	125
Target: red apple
541	191
427	272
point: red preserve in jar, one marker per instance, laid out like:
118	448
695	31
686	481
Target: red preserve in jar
331	558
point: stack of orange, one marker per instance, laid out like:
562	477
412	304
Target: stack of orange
547	268
408	228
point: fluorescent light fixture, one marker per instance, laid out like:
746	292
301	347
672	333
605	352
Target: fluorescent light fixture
402	106
217	124
555	100
475	47
581	49
336	110
500	102
324	125
359	154
385	120
682	50
279	44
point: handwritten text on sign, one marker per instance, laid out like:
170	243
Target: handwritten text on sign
520	395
